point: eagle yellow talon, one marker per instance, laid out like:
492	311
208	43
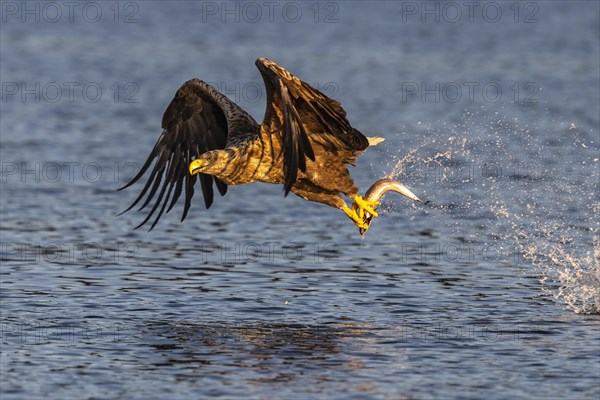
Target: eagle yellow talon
358	220
360	212
365	205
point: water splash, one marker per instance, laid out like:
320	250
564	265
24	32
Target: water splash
567	264
536	185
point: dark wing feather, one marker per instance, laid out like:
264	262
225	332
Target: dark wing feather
305	118
197	120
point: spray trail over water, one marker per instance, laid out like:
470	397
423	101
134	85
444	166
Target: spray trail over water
535	186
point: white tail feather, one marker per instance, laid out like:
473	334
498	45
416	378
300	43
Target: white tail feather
375	140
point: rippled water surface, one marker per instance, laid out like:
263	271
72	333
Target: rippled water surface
492	291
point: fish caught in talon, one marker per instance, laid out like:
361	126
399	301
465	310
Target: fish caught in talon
376	192
365	206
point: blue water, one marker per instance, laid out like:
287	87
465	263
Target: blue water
490	292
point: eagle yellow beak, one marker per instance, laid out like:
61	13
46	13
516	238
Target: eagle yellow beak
195	167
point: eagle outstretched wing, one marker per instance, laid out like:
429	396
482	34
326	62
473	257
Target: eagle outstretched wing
197	120
305	118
